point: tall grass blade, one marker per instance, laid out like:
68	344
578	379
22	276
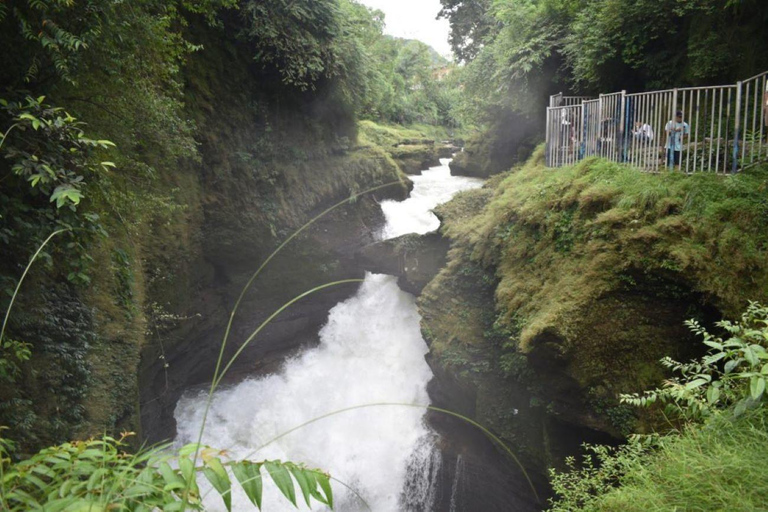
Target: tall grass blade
472	422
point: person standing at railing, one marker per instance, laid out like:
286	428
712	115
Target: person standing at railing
566	128
643	132
677	130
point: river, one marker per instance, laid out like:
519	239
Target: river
370	351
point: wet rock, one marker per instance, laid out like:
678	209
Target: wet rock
414	259
447	150
464	165
414	158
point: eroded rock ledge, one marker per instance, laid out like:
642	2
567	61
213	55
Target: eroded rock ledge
414	259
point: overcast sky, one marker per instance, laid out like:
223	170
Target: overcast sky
415	19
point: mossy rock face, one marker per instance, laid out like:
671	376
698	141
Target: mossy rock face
589	274
414	158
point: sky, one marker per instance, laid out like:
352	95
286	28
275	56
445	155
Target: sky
415	19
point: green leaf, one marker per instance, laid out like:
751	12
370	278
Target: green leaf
713	393
169	475
282	479
750	356
249	476
64	194
730	365
189	449
695	384
188	472
714	357
300	475
757	387
217	475
325	483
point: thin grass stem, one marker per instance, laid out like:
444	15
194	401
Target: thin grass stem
472	422
216	378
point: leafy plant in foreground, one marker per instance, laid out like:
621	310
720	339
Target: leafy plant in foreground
733	373
98	475
713	395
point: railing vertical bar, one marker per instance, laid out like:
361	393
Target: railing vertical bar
634	104
744	107
727	131
684	147
624	116
619	151
754	126
649	146
735	165
643	118
711	132
745	120
719	129
600	144
659	113
686	118
654	113
580	108
696	130
763	108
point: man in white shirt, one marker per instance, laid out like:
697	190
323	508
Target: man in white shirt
676	130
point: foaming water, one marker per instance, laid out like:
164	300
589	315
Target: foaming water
370	351
433	187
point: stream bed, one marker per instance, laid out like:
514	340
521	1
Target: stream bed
371	352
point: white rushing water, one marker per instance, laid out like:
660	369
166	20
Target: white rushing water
433	187
370	351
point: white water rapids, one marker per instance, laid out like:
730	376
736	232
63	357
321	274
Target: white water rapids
370	351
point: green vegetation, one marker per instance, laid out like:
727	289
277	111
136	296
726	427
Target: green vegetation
136	128
98	474
154	137
590	271
518	52
714	459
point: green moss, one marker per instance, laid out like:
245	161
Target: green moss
596	267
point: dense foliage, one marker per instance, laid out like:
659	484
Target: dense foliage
712	458
98	474
105	112
521	51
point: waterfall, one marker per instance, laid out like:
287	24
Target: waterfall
457	480
422	477
370	351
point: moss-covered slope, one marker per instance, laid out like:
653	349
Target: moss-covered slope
575	281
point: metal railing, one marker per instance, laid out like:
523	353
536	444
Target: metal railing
558	100
723	129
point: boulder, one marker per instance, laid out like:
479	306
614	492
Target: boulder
414	259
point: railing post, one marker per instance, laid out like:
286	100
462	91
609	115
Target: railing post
735	164
583	133
547	142
669	153
623	121
599	139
